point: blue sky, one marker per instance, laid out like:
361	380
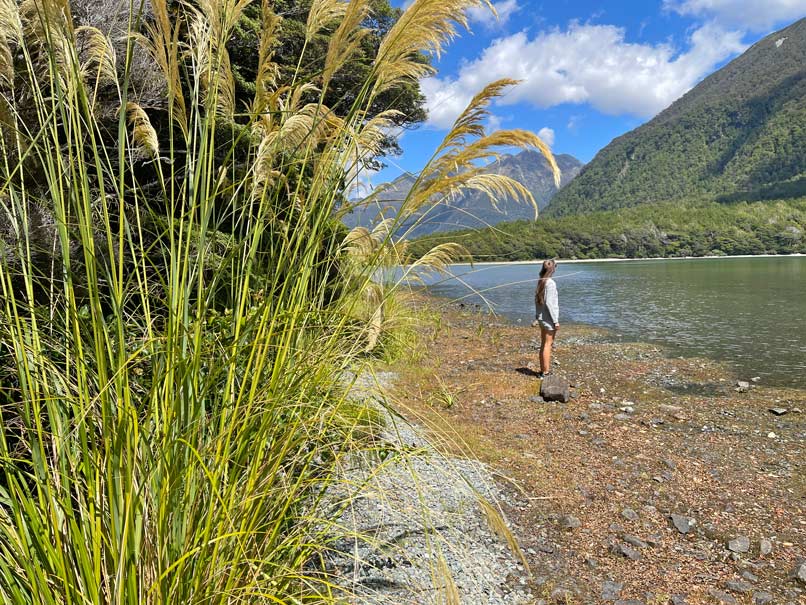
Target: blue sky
590	71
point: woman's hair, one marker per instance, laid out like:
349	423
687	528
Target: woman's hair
546	271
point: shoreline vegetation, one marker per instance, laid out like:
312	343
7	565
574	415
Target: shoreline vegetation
685	228
567	261
662	477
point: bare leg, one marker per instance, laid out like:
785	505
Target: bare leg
546	344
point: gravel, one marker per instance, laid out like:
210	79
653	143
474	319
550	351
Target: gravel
417	514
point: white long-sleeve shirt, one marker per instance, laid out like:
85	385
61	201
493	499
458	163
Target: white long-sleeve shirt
550	311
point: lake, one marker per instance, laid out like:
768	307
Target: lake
748	312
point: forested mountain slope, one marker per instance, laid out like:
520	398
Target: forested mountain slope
679	228
738	135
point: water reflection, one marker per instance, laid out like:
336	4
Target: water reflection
750	312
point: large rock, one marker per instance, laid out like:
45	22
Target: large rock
554	388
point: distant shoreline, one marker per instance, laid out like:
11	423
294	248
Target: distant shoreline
624	260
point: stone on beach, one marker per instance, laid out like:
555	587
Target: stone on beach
554	388
740	544
681	523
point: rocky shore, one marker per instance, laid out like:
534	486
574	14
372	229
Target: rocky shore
425	527
662	480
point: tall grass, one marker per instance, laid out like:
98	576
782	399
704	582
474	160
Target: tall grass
177	306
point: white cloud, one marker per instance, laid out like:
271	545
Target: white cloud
590	64
483	15
546	135
494	123
757	15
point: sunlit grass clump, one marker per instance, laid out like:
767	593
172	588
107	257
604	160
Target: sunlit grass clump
179	302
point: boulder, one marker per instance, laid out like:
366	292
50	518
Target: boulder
554	388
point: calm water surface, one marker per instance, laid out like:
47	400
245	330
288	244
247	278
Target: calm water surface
749	312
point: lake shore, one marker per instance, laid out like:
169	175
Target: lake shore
628	260
594	483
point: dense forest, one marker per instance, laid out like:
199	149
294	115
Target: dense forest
655	230
738	135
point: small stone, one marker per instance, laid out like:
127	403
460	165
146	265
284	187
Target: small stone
762	598
629	602
681	523
678	599
634	541
765	547
778	411
615	528
629	514
742	386
722	597
738	586
611	590
756	378
627	409
653	540
771	435
622	416
739	544
570	522
749	576
591	562
800	572
797	411
670	463
625	551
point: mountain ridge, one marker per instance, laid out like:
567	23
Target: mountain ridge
473	208
740	134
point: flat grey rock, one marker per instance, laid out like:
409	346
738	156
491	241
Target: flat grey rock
778	411
681	523
800	572
625	551
762	598
749	576
634	541
739	586
740	544
765	546
629	514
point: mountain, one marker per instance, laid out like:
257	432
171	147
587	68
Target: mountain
739	135
473	209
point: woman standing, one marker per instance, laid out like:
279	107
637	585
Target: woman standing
547	314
